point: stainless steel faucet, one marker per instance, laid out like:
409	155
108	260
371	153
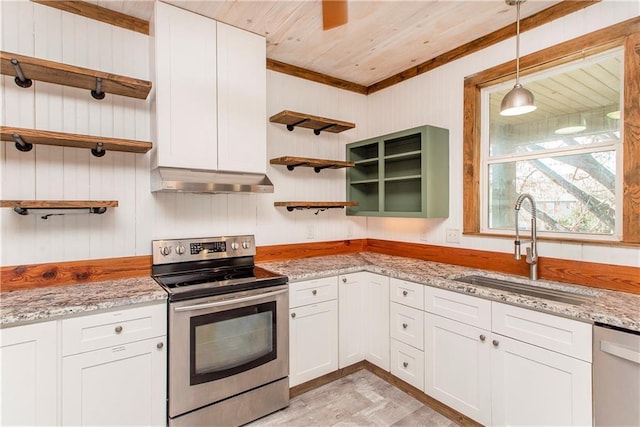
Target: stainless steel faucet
532	251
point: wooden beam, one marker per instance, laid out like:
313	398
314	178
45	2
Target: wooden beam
543	17
99	13
313	76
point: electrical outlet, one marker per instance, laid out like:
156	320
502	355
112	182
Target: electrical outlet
453	235
310	232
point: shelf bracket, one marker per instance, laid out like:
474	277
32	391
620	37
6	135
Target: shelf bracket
319	209
292	167
317	131
20	79
317	169
21	145
97	93
99	151
292	126
24	211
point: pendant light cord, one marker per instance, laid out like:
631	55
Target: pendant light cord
518	42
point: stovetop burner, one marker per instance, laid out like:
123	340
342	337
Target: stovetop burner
192	268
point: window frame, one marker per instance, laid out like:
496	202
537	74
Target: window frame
625	34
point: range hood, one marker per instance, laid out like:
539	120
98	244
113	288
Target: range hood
167	179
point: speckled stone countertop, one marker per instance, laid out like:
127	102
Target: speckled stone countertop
609	307
51	302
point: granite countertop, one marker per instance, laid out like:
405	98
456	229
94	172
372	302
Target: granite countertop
51	302
610	307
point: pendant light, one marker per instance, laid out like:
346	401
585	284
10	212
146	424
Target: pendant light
519	100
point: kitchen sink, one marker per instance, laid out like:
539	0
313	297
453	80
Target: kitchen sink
520	288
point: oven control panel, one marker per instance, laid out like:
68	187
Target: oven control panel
180	250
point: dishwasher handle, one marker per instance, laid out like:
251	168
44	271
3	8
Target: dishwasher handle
620	351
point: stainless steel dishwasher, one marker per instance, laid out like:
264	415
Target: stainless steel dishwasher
616	376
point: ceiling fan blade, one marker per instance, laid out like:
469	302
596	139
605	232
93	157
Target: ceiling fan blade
334	13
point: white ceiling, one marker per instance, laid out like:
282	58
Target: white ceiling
381	39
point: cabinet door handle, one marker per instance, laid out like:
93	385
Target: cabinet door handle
344	280
495	343
314	292
405	364
405	293
118	329
293	315
482	338
160	345
405	326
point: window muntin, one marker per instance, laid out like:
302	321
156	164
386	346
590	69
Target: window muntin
574	177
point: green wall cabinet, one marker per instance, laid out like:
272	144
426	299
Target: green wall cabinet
403	174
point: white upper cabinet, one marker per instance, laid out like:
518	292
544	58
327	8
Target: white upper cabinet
242	100
185	89
210	93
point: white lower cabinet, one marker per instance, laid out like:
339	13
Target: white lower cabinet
313	329
458	360
123	385
534	386
29	375
503	380
364	319
114	367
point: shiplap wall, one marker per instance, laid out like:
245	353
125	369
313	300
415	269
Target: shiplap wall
56	173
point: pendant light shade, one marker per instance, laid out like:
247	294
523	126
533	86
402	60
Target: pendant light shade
519	100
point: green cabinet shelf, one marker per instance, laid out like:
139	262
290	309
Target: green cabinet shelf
403	174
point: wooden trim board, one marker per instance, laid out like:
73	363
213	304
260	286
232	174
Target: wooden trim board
99	13
597	275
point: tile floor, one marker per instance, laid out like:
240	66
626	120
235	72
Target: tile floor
359	399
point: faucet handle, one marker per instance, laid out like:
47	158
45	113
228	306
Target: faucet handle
532	258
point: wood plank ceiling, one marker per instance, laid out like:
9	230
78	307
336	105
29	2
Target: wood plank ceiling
381	39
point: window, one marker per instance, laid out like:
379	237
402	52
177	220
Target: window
566	154
587	183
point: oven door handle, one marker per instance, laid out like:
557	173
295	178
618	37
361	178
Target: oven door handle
229	301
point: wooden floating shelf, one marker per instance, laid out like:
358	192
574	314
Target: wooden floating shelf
70	75
33	136
317	164
315	205
22	207
319	124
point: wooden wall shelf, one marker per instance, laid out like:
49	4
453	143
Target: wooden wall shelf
320	206
319	124
70	75
22	207
317	164
97	144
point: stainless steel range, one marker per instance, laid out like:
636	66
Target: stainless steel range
228	331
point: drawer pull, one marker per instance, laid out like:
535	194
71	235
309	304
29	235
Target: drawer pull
482	338
495	343
314	292
344	280
160	345
405	326
293	315
405	293
118	329
405	364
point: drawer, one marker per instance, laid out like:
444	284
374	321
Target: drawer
407	293
459	307
407	363
407	325
559	334
313	291
108	329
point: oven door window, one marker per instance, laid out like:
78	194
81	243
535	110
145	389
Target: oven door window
232	341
